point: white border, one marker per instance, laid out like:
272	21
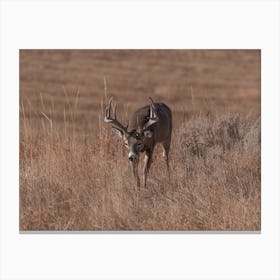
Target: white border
156	24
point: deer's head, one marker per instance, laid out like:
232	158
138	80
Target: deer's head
135	141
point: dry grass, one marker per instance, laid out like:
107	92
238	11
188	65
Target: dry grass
74	173
75	181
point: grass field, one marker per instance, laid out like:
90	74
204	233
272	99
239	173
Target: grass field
74	172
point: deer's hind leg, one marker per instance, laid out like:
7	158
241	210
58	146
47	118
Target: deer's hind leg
166	147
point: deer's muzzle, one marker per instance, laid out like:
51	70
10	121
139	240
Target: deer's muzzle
132	157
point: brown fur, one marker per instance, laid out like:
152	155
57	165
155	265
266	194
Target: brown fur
143	133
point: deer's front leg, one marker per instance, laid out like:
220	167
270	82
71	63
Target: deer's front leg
135	173
147	164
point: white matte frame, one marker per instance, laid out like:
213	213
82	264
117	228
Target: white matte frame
132	24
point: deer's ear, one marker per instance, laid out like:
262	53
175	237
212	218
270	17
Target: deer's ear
148	134
119	132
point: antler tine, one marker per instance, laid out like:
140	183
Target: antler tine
153	113
151	100
153	118
111	116
108	112
139	128
110	105
115	111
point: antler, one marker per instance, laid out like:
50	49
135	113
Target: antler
153	117
153	113
112	118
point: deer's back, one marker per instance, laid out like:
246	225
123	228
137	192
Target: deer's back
162	129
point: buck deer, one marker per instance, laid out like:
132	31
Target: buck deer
148	126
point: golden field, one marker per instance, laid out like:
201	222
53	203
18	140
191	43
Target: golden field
74	171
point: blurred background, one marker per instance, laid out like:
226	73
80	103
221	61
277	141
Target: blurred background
189	81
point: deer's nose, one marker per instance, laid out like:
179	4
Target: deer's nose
132	157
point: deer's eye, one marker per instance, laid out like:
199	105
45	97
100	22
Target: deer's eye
126	143
139	144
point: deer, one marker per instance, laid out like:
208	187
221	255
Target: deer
149	125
